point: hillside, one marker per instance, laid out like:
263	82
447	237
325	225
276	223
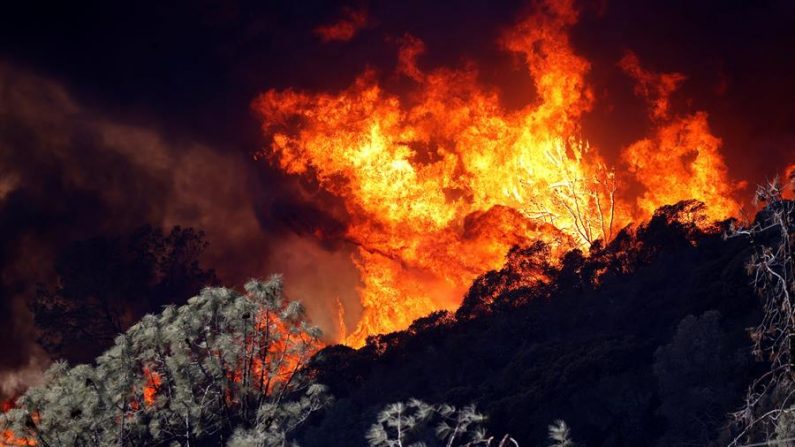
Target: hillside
643	342
640	342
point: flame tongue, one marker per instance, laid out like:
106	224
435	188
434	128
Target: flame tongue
440	187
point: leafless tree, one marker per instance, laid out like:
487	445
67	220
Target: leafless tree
583	200
769	400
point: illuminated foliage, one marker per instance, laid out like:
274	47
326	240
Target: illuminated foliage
223	363
405	424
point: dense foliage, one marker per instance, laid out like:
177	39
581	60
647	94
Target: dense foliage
641	342
225	364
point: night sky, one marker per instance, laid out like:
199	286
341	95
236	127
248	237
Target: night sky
117	115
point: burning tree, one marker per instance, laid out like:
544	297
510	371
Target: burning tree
223	365
769	411
582	202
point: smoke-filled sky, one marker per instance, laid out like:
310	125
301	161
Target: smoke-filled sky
116	115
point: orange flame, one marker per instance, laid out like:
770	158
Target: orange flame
345	28
275	362
151	387
7	437
789	180
657	88
438	187
682	160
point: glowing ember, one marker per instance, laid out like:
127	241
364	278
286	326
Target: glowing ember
7	437
439	187
152	385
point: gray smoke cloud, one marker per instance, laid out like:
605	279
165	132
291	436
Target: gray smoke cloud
68	172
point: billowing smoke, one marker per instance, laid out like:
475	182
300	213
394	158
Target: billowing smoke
67	173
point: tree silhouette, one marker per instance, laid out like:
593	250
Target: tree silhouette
106	283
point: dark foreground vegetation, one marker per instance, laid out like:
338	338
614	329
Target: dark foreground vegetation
644	341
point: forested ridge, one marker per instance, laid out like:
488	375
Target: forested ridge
642	341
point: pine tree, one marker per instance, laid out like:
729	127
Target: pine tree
560	435
405	425
224	363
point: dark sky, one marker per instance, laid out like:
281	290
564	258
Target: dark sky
116	114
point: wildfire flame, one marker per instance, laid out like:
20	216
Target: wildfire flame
7	437
438	187
153	381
